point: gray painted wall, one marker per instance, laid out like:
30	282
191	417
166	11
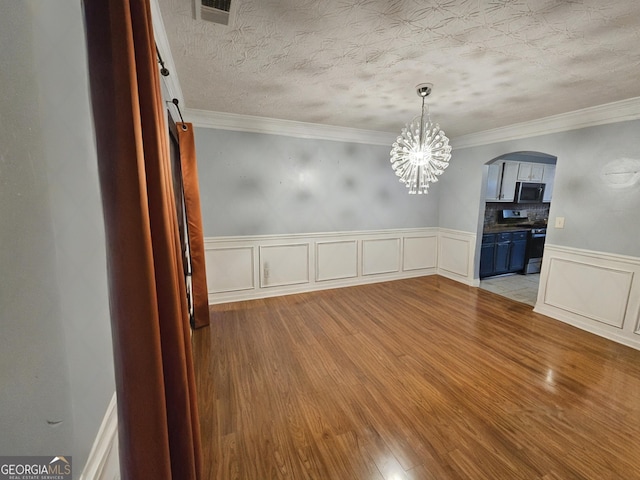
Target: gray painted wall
267	184
600	214
254	184
33	369
56	364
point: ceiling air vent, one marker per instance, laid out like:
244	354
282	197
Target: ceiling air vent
216	11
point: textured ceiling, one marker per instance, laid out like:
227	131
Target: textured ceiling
356	63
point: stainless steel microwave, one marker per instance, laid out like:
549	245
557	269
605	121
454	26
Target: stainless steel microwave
529	192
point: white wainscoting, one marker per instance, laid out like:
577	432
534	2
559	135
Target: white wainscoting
249	267
103	461
594	291
456	255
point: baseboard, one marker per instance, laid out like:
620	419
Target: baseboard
102	463
472	282
588	325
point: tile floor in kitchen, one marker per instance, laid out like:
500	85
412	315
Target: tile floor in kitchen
522	288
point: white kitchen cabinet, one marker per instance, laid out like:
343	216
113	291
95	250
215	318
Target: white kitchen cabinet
501	181
509	179
548	179
503	175
530	172
493	182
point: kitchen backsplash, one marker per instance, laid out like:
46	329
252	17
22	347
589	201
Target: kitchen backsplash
535	211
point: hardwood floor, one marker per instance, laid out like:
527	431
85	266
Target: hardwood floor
414	379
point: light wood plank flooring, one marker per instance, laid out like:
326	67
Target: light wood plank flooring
414	379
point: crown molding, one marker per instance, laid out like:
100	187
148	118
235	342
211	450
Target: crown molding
274	126
614	112
171	82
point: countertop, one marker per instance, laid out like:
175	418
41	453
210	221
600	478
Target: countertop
500	228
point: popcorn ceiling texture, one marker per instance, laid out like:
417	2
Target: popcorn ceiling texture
356	63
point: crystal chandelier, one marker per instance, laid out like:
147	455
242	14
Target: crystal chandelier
421	152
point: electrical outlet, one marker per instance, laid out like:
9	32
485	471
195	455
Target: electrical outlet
559	222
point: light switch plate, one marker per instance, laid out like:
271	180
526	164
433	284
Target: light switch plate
559	222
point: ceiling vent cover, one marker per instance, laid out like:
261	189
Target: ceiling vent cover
216	11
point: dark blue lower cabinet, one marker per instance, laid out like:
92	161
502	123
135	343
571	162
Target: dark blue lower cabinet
487	253
502	253
518	250
502	256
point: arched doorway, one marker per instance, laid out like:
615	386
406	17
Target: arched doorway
517	197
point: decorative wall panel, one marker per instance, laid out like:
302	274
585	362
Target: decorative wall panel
455	255
380	256
336	260
420	252
284	265
594	291
229	269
